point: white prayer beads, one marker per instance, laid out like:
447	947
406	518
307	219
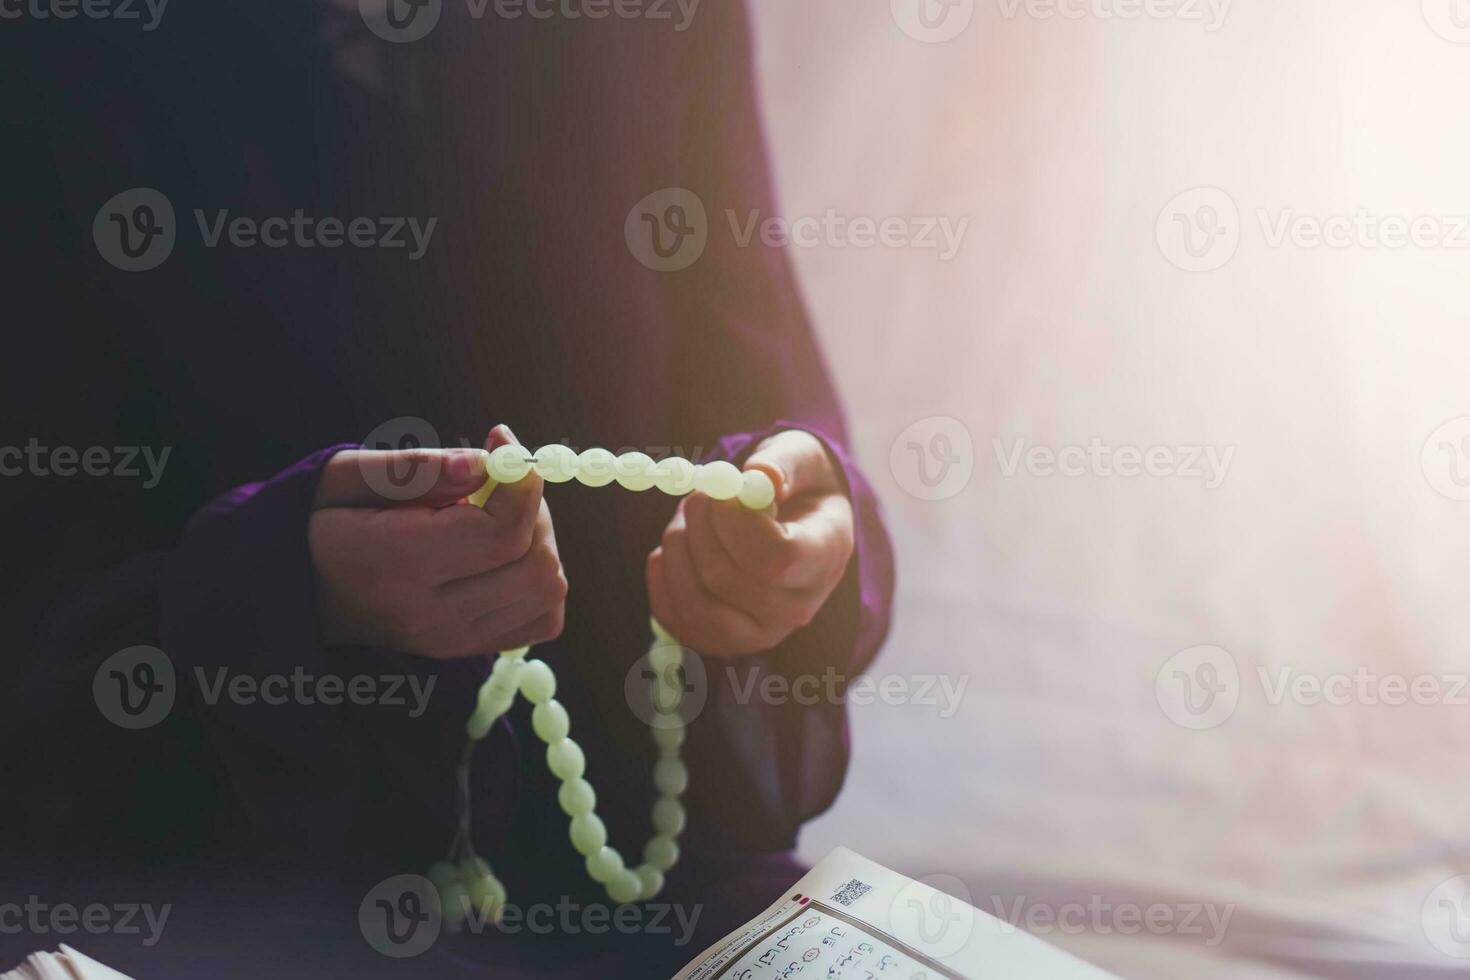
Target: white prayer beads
468	887
634	471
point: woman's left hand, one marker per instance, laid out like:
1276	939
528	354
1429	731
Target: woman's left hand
727	580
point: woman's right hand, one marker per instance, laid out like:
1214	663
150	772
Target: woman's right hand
433	576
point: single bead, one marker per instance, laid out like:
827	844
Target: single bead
634	471
550	721
604	864
661	852
659	633
674	476
519	653
595	467
556	463
481	497
453	902
670	776
475	867
537	681
576	797
565	759
496	697
650	880
441	873
509	463
669	739
756	490
668	816
720	480
506	667
487	898
588	833
663	656
482	721
624	887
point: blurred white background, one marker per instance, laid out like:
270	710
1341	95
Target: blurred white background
1332	544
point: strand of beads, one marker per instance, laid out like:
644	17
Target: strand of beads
467	882
632	471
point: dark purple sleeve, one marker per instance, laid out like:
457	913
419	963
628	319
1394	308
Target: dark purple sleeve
316	779
754	368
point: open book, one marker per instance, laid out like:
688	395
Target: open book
852	919
64	964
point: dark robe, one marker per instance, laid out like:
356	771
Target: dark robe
529	140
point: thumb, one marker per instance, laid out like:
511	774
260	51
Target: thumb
399	477
514	506
797	463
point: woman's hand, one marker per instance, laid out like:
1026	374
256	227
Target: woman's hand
727	580
431	576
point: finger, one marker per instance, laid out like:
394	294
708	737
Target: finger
541	630
491	634
514	507
537	571
770	606
797	463
398	477
691	613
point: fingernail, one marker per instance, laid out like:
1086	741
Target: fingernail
466	463
509	434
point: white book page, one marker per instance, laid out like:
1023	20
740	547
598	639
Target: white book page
852	919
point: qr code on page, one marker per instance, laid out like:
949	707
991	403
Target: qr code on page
851	892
